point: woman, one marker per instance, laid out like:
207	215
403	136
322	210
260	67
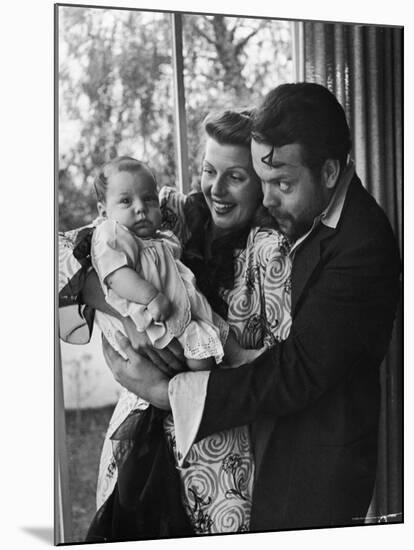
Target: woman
242	266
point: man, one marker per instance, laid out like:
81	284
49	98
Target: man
313	401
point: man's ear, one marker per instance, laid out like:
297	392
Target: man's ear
101	209
330	172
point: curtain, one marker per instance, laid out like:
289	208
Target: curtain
362	65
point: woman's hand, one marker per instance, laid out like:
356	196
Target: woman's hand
235	355
245	357
169	360
137	373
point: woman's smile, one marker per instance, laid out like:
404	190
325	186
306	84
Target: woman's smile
221	207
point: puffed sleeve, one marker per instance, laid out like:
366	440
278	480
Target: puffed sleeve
172	204
75	319
272	251
113	247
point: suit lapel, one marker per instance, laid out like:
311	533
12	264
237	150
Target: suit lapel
305	261
304	264
308	255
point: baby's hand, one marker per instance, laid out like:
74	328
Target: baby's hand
160	307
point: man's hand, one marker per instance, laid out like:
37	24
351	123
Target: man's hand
137	374
169	360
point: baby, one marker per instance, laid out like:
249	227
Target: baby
140	272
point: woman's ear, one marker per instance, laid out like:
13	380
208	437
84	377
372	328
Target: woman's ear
330	172
101	209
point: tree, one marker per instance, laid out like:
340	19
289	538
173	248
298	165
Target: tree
230	62
115	88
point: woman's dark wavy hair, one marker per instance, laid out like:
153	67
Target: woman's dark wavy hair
308	114
230	127
118	164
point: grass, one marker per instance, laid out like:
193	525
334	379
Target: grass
85	429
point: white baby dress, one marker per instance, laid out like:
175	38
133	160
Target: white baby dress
157	261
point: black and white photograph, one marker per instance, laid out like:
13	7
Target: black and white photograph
228	274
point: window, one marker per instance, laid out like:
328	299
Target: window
117	84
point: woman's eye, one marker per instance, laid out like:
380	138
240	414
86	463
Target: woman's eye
125	201
207	170
236	177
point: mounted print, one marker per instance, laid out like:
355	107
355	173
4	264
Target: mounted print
229	237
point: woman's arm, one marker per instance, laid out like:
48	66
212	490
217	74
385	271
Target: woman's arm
92	295
172	204
75	318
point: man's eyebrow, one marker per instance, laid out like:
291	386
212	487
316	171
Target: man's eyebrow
279	164
268	159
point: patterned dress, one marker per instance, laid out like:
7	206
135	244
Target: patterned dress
217	474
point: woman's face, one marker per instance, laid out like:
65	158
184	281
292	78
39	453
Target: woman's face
230	186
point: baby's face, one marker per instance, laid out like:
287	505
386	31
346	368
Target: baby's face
132	200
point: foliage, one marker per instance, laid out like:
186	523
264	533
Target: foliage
116	88
85	432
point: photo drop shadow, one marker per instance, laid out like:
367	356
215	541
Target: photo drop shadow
43	533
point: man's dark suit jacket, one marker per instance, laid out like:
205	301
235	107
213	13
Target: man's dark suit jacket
313	402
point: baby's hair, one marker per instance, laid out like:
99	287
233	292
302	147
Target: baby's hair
118	164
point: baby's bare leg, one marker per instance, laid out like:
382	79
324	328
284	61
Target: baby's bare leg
200	364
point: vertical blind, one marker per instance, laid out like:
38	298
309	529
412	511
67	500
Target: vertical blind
362	66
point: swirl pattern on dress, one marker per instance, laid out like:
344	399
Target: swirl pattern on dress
215	445
234	476
202	482
219	478
276	272
259	314
243	307
232	517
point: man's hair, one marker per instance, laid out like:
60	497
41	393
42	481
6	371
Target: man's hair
307	114
118	164
230	127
